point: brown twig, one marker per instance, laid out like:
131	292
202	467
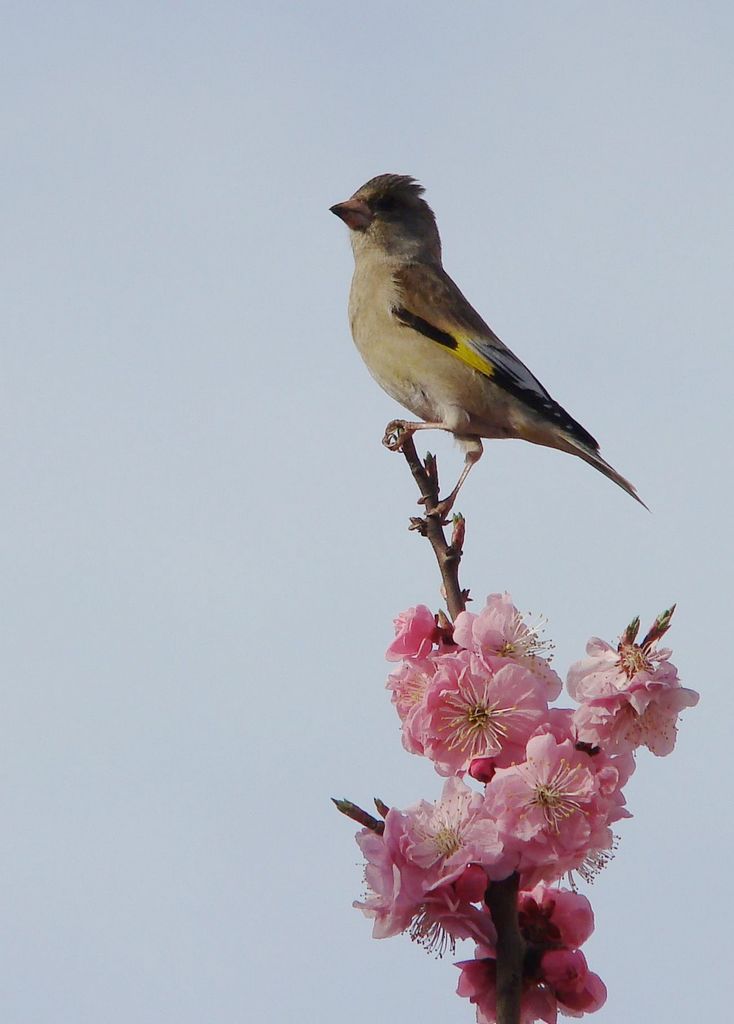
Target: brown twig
501	897
358	814
448	555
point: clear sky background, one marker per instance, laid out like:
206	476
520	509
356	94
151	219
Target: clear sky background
204	544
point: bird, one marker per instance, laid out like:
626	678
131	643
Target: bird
430	350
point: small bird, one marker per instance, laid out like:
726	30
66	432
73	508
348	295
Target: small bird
427	346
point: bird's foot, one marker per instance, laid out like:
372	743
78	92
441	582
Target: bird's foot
441	510
396	434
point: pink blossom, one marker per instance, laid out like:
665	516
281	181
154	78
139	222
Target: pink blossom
615	724
554	809
499	631
553	923
552	918
630	696
425	872
538	1001
414	633
576	988
472	710
451	834
478	983
609	669
394	890
447	915
409	684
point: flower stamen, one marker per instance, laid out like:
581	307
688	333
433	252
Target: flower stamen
474	725
555	797
633	659
447	840
430	933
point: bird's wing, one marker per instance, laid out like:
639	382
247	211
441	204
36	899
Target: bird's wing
434	306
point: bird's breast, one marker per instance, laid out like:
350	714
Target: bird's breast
416	371
394	360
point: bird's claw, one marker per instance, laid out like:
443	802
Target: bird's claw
441	510
396	434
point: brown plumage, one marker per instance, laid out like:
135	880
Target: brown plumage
428	347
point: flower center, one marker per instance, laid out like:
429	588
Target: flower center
447	841
632	659
555	797
474	726
478	716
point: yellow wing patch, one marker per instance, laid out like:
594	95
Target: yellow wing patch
469	355
449	337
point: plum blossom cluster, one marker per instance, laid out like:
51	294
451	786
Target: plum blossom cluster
475	698
427	869
482	689
553	923
479	691
428	872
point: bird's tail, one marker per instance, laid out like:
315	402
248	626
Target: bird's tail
592	456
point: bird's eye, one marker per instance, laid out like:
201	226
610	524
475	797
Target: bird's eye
386	204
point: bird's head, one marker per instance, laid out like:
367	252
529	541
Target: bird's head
388	213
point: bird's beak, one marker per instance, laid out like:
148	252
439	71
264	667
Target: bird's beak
355	213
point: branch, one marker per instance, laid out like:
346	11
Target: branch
501	897
448	555
362	817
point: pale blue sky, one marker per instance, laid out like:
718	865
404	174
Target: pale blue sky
203	542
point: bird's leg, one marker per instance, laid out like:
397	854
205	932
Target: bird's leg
397	432
473	449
